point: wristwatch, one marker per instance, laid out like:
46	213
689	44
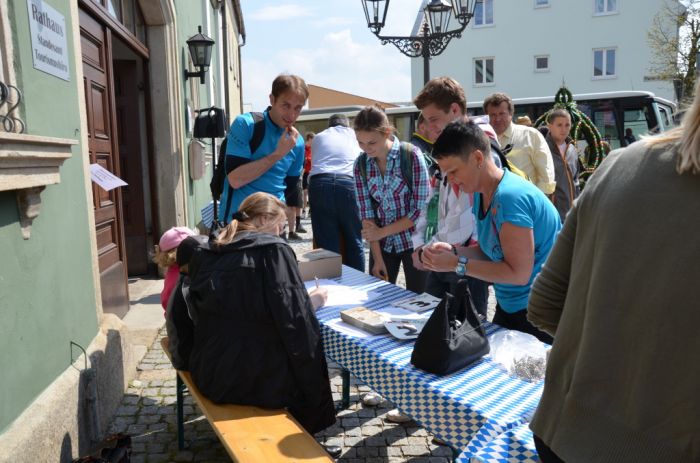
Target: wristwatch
461	267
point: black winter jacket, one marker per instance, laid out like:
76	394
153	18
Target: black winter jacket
257	340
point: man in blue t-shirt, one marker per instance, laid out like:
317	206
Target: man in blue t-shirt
276	164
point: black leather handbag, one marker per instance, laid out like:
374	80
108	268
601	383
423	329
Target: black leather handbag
453	337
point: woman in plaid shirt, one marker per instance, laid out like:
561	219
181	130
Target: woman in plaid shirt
389	196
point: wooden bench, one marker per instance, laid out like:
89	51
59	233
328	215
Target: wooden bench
250	434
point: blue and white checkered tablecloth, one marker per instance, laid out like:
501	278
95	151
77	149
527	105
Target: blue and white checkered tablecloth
467	409
513	446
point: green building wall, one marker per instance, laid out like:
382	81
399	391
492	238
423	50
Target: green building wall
190	16
47	293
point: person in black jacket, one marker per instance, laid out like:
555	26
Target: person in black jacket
257	340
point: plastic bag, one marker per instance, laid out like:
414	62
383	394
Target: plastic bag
522	355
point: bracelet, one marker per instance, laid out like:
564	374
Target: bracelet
454	250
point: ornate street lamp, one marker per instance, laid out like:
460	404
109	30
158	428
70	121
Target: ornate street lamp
434	35
200	50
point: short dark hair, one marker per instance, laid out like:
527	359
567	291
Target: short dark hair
495	99
559	112
442	92
289	83
338	119
460	138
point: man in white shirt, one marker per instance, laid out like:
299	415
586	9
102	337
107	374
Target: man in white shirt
525	147
441	101
335	219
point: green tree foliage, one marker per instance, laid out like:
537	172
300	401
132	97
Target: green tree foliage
674	36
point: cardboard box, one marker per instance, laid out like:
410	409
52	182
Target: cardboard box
319	263
365	319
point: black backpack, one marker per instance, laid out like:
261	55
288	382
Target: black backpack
219	179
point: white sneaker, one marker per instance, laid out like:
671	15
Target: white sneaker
395	416
372	399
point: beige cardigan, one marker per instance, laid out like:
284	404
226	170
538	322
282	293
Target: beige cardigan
621	293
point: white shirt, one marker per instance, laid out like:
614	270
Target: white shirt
455	218
334	151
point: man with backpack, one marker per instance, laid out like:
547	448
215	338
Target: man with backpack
264	152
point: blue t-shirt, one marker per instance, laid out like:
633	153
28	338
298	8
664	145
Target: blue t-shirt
520	203
272	181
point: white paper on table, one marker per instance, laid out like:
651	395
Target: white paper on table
347	329
104	178
341	295
397	313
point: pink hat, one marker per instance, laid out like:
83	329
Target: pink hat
172	238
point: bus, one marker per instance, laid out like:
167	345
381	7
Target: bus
611	112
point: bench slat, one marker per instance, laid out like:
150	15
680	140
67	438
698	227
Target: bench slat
253	434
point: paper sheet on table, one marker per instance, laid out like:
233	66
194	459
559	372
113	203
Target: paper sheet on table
341	295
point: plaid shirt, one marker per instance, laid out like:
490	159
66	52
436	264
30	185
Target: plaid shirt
392	197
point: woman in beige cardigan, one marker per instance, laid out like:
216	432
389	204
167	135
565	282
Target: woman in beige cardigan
619	292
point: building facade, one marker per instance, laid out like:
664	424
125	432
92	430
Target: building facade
86	84
528	48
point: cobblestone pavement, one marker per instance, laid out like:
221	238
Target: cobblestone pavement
148	413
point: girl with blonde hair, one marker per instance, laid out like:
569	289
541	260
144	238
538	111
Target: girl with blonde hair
256	339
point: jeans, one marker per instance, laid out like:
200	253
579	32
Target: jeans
335	218
415	279
438	283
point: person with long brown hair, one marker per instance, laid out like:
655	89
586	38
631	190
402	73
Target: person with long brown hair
618	292
256	337
391	185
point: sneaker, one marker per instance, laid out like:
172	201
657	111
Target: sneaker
301	229
293	236
395	416
284	236
333	450
372	399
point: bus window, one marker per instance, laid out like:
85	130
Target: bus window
636	120
404	128
602	113
665	122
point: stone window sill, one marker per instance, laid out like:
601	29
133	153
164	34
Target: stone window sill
27	164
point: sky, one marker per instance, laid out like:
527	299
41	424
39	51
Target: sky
326	42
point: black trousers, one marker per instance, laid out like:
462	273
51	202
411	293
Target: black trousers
415	279
518	321
545	453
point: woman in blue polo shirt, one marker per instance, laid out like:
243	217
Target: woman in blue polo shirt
516	223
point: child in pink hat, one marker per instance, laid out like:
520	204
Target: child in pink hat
165	252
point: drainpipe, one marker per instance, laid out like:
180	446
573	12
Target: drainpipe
224	34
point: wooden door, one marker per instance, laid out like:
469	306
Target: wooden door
102	145
126	96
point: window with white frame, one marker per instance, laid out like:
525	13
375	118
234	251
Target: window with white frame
483	71
541	63
604	63
605	6
483	13
541	3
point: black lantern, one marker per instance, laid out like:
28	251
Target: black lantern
438	13
464	9
375	13
434	35
200	50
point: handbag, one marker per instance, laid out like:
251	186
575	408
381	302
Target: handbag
453	337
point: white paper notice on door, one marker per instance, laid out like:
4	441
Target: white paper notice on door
104	178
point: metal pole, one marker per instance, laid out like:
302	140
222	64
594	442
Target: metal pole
426	65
